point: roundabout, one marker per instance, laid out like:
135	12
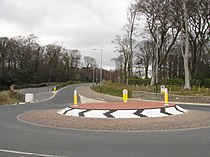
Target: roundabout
50	118
41	131
132	116
133	109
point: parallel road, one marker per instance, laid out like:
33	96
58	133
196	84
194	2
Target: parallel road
19	139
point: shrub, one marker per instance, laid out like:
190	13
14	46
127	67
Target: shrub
137	81
177	82
206	83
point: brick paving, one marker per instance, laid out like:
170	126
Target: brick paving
131	105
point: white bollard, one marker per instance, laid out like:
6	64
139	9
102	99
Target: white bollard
29	97
75	97
162	89
125	95
54	88
166	97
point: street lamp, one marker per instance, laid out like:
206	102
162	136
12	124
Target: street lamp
101	66
93	76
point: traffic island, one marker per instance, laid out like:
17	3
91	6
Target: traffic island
133	109
49	118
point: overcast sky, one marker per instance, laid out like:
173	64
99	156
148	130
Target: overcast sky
77	24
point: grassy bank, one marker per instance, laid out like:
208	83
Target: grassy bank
6	98
116	89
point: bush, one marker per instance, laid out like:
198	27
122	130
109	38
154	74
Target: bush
206	83
67	83
7	98
172	82
137	81
200	83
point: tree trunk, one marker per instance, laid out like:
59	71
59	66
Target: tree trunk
187	73
186	53
146	71
125	72
152	83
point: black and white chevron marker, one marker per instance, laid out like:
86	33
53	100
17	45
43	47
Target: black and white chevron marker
92	113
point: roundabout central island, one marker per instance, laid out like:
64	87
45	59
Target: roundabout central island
132	109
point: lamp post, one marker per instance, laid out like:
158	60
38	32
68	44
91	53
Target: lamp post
93	76
101	67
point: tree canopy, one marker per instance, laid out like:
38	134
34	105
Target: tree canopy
175	39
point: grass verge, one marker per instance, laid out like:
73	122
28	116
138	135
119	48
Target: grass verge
112	89
6	98
116	89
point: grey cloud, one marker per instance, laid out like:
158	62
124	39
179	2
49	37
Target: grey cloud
80	24
21	14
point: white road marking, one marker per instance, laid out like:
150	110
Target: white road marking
27	153
100	99
89	100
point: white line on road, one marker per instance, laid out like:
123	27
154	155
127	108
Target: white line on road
27	153
100	99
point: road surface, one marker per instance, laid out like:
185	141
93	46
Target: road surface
19	139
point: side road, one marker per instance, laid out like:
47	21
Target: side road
40	94
88	93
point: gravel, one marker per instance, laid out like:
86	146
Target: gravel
192	119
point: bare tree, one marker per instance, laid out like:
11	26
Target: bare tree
90	66
198	24
53	55
119	67
4	45
145	56
130	28
122	47
89	62
186	52
158	13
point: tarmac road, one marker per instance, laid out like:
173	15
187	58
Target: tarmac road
40	94
19	139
